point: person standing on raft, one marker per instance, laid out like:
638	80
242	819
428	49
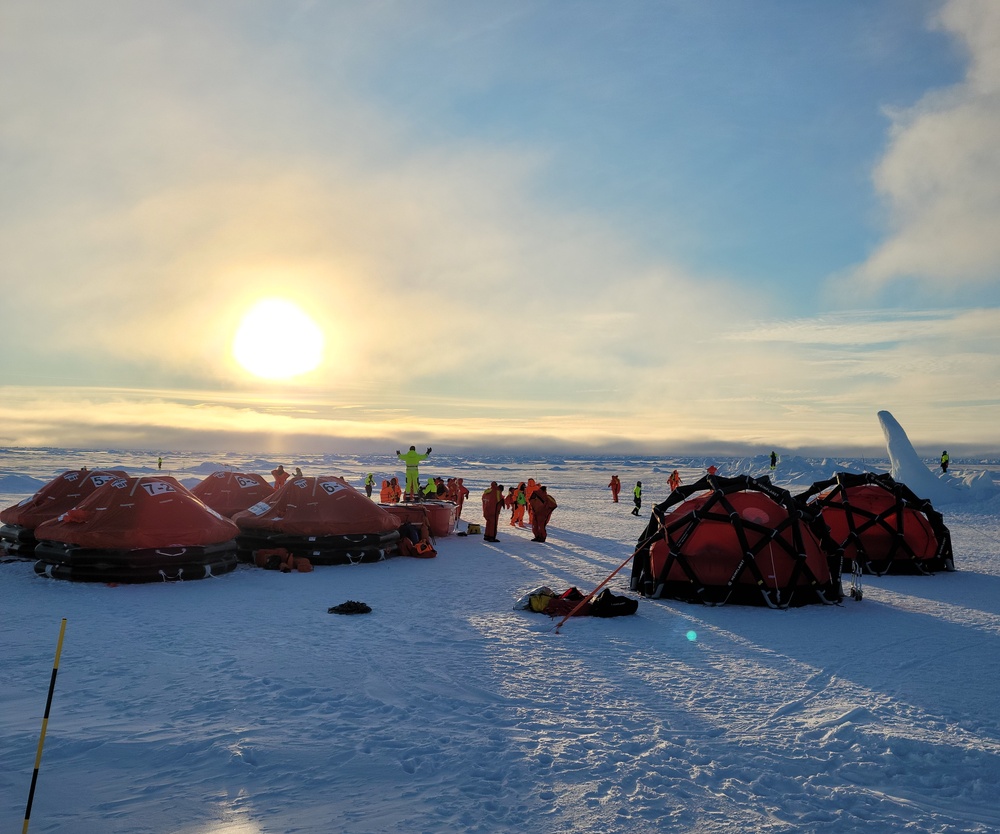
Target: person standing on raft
492	505
615	486
944	461
637	498
280	476
544	504
412	460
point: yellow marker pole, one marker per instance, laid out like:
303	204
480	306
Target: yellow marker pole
45	723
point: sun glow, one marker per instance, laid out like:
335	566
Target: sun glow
277	339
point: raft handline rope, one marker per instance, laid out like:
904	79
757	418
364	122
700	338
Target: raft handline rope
45	722
774	574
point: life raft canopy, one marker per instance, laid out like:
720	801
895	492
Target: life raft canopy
322	519
880	525
736	540
143	529
62	493
229	492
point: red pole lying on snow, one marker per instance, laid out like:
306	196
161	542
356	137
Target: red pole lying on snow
644	543
591	595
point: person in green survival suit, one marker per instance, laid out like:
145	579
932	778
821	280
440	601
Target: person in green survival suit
412	460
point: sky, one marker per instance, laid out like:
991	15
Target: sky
591	226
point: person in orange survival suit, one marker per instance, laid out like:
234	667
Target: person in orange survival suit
674	480
462	491
280	476
385	494
520	503
615	486
529	490
508	502
543	504
492	505
395	491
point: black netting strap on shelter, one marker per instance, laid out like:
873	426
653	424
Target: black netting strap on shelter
835	493
718	508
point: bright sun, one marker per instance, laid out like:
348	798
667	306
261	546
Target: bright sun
278	340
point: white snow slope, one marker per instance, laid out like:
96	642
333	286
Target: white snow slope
940	488
238	705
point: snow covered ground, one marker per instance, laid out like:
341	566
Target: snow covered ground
238	705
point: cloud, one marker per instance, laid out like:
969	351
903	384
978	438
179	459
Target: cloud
170	167
190	169
800	383
940	176
940	365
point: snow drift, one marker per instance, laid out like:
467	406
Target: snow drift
907	468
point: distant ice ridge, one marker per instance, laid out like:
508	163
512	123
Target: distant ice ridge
938	488
793	472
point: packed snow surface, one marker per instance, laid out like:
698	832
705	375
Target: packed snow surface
238	705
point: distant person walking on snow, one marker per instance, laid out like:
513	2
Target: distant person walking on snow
412	460
159	463
944	461
637	498
774	461
369	483
674	480
615	486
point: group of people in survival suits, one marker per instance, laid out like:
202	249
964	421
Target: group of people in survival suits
616	487
528	497
436	489
280	476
